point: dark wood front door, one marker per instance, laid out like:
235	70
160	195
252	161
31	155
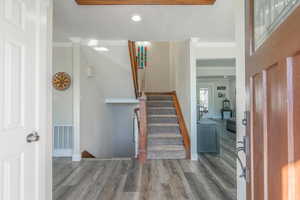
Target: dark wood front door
273	88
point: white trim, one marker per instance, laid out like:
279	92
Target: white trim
100	42
121	101
107	42
216	44
193	100
239	12
62	44
63	153
76	102
47	184
76	157
62	124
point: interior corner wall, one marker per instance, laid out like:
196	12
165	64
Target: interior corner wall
62	100
95	116
181	70
157	73
106	130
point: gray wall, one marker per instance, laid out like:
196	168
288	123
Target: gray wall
122	134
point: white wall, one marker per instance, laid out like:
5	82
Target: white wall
63	100
157	73
182	82
106	130
216	103
96	118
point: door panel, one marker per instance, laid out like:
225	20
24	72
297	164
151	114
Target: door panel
273	100
257	136
277	149
19	57
294	124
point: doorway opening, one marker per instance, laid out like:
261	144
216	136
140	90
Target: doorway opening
216	122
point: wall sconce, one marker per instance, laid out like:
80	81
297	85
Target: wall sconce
90	72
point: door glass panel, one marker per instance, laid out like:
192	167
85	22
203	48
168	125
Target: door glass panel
268	15
203	101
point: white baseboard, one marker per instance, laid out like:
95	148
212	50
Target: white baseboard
76	157
194	156
62	153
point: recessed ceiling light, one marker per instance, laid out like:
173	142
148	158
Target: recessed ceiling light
136	18
101	49
92	43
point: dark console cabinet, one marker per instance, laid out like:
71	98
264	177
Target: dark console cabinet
208	140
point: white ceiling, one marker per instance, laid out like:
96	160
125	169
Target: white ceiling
160	23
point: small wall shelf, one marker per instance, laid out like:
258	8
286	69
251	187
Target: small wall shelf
121	101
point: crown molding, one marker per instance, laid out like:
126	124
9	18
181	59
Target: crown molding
145	2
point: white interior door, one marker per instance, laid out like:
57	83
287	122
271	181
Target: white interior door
20	66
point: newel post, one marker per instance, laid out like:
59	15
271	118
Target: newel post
143	129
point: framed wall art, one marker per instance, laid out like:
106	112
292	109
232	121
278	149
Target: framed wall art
61	81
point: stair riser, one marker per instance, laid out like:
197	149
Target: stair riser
165	141
163	129
166	155
162	120
161	111
158	98
160	104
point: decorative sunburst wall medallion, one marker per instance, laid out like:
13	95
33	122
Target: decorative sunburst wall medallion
61	81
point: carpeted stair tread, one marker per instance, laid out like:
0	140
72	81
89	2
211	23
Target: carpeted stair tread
163	101
162	119
159	97
166	148
164	138
163	116
165	135
159	108
164	124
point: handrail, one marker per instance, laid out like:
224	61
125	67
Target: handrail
134	67
142	155
182	126
140	112
136	112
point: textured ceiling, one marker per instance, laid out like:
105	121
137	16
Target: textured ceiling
160	23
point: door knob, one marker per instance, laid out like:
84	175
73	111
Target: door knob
33	137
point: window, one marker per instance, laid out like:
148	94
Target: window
203	99
268	15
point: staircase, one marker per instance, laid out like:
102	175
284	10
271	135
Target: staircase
164	139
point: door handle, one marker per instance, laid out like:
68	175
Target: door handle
33	137
244	148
